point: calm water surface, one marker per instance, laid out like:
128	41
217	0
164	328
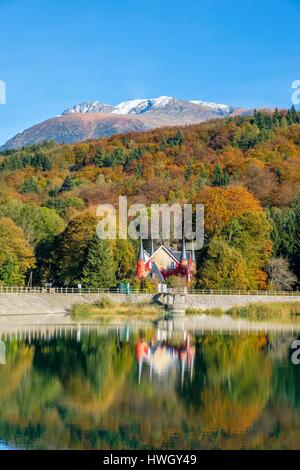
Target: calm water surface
130	389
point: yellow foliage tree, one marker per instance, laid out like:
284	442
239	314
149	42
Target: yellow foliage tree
16	256
223	203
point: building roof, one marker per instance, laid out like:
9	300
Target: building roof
175	254
183	252
158	274
141	252
165	248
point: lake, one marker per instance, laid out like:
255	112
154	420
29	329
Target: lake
128	388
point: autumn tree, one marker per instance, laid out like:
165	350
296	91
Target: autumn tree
222	204
223	268
279	274
38	223
246	136
72	247
125	257
250	235
16	256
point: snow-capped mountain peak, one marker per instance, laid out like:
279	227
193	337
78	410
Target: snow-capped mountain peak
92	120
144	105
130	106
216	106
89	107
141	105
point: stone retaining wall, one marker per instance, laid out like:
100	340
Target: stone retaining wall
57	303
55	307
227	301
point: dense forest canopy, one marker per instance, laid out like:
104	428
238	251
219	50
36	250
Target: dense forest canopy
245	170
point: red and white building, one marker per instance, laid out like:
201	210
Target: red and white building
165	261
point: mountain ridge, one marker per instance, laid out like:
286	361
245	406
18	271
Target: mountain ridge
139	106
88	120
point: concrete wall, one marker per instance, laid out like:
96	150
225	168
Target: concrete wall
227	301
57	303
52	308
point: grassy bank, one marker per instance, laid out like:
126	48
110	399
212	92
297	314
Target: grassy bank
277	311
104	310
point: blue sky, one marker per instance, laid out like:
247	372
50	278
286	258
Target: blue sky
54	54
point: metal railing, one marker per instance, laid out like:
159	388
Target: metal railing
115	290
254	292
243	292
64	290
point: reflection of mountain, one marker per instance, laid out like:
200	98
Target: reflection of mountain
65	393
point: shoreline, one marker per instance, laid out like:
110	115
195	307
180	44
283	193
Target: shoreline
198	323
25	310
225	323
31	303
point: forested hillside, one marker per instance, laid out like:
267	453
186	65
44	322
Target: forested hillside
246	170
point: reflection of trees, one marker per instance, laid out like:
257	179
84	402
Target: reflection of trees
18	361
231	383
90	371
286	377
278	426
190	391
54	391
64	393
229	390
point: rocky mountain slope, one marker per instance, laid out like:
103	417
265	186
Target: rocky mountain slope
75	128
91	120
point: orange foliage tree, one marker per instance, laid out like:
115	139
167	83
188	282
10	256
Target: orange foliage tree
221	204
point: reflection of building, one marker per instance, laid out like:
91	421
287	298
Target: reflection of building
2	352
161	356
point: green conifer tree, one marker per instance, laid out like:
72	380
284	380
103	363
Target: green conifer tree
294	115
219	177
276	118
99	269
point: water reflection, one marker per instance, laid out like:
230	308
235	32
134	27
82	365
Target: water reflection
161	355
132	388
2	353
